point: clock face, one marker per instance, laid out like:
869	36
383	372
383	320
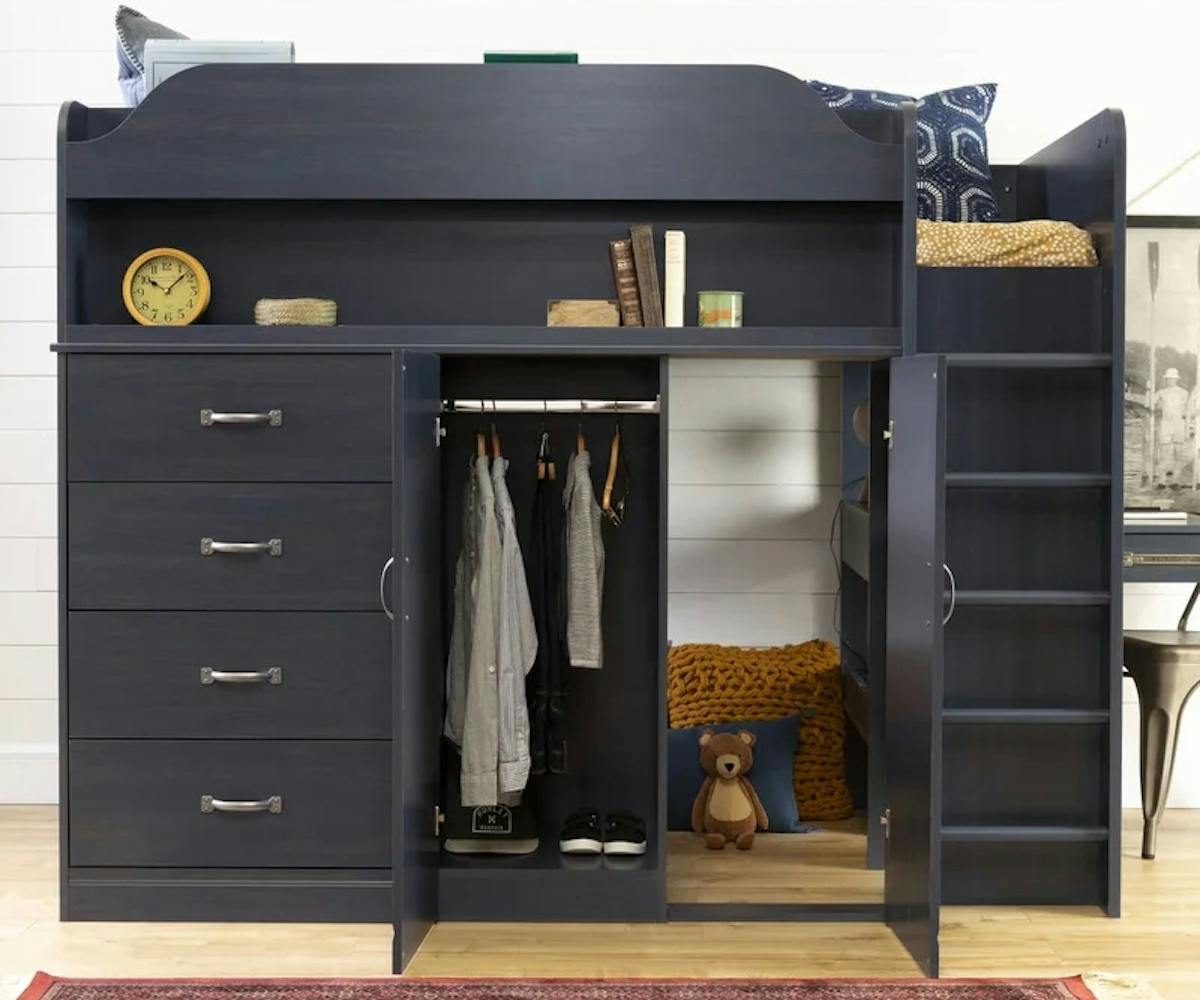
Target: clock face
166	288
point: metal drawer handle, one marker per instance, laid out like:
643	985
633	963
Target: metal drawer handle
210	547
272	418
383	588
273	804
272	675
953	594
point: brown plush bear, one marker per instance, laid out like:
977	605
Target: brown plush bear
728	809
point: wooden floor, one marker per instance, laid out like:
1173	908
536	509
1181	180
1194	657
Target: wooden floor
826	866
1159	936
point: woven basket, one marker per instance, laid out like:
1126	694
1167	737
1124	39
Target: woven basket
295	312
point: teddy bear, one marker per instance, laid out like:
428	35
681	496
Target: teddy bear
727	809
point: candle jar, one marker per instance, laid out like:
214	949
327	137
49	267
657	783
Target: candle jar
720	308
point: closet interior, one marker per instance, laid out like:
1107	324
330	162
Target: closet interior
610	726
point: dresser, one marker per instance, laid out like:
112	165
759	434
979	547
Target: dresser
228	664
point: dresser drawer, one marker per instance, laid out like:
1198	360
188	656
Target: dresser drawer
206	675
141	546
137	417
140	803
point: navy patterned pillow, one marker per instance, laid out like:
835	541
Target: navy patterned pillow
954	183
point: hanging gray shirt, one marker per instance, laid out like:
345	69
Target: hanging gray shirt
516	639
585	564
480	728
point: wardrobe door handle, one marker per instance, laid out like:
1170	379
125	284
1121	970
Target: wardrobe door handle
953	594
272	675
383	588
269	418
210	804
211	547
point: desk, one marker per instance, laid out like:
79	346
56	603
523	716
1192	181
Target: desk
1177	544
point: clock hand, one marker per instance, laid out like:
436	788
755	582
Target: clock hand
173	284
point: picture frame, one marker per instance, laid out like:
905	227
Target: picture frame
1162	363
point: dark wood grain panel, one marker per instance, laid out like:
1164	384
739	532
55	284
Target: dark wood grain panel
137	546
729	133
1025	775
137	674
137	803
137	417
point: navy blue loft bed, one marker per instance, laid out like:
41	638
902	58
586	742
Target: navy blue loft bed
442	206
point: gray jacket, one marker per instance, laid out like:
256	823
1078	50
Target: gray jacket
585	564
516	647
492	645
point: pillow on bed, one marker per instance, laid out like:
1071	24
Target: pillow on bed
954	182
133	31
774	749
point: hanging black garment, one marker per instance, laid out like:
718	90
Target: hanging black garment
546	682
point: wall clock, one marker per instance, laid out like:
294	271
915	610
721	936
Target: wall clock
166	287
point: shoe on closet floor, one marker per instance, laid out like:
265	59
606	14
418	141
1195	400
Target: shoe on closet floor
624	834
582	833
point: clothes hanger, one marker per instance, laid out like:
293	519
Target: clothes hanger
496	452
545	466
614	461
580	441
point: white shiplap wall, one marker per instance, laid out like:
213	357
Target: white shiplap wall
754	474
750	506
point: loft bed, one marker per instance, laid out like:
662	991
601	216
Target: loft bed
441	206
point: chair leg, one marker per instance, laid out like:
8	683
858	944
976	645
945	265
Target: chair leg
1162	695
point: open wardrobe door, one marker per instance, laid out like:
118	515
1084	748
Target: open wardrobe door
913	702
416	651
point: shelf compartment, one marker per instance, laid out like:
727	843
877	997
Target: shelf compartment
1028	538
496	262
1028	480
831	343
1025	716
1024	776
1026	866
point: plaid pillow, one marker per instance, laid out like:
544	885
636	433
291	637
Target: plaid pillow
954	183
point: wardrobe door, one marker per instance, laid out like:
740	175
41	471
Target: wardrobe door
416	652
913	701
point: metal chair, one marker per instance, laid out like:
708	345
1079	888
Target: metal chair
1165	666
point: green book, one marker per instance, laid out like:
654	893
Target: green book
531	57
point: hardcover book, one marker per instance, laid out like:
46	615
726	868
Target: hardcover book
646	266
625	280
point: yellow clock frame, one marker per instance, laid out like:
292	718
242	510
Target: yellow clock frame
197	268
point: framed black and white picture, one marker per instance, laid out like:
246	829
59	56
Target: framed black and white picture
1162	348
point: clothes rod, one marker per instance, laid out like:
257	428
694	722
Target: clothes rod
599	406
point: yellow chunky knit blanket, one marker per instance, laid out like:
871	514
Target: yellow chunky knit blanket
711	684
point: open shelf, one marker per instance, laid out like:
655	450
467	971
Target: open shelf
1036	480
1021	597
1029	360
833	343
1023	834
1025	716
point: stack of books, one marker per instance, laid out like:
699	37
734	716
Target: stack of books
635	275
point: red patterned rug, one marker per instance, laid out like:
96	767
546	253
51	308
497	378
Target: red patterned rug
46	987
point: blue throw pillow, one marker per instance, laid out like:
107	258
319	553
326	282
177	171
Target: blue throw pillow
771	773
954	181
